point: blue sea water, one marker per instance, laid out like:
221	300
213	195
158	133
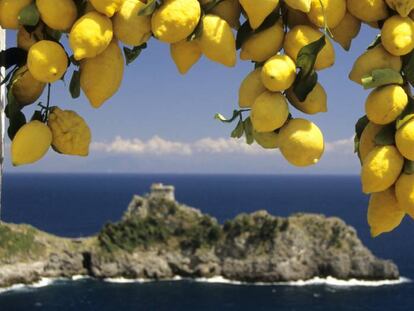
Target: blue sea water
78	205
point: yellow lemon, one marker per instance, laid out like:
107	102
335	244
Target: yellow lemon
403	7
301	5
126	19
25	40
90	35
368	10
372	59
269	112
315	102
404	189
47	61
404	139
101	76
346	31
57	14
333	10
381	169
9	12
397	35
279	73
229	10
175	20
260	46
26	89
107	7
385	104
71	134
251	87
31	143
302	35
185	54
367	140
301	142
257	11
384	213
217	41
267	140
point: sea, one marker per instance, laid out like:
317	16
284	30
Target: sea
77	205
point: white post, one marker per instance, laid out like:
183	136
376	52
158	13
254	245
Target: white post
2	105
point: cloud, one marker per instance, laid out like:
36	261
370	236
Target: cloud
160	147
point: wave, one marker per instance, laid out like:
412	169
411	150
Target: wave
329	281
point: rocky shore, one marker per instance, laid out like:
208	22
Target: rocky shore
159	238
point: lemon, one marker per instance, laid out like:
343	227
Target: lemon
368	10
301	142
404	139
47	61
384	213
267	140
260	46
26	89
403	7
302	35
90	35
175	20
185	54
217	41
385	104
315	102
346	31
126	19
71	134
296	17
333	10
101	76
57	14
229	10
25	40
269	112
31	143
381	169
107	7
279	73
9	12
404	189
301	5
367	140
251	87
397	35
258	11
372	59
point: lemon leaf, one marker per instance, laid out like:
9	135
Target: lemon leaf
238	131
407	114
409	167
29	15
248	130
386	136
148	8
37	115
74	86
198	31
408	68
361	125
236	114
132	54
374	43
14	114
381	77
12	57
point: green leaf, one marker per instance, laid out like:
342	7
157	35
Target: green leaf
386	136
374	43
132	54
407	114
37	115
304	85
381	77
81	6
248	130
13	57
236	114
148	8
74	86
52	34
15	123
361	125
198	31
238	131
29	15
409	167
408	68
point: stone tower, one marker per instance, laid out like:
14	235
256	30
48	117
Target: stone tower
160	191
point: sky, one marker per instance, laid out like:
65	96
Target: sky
163	122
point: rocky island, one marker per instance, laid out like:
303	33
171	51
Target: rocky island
159	238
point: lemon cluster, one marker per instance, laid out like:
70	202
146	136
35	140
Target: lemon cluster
385	142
